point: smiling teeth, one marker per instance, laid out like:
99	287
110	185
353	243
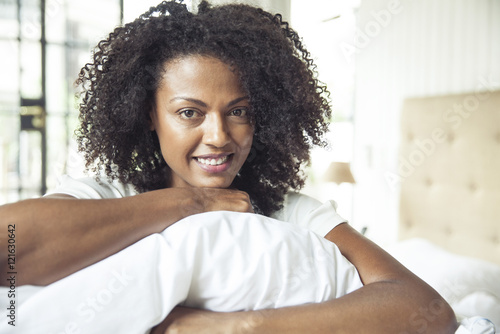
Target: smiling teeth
213	162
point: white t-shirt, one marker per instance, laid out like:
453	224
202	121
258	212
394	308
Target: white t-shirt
298	209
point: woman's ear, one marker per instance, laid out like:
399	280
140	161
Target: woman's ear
151	122
152	118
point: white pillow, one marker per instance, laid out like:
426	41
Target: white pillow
471	286
223	261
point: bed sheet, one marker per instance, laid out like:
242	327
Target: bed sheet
470	285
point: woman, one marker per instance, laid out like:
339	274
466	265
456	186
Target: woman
195	113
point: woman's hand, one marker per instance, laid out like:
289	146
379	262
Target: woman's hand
215	199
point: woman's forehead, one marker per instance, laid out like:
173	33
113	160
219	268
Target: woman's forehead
199	76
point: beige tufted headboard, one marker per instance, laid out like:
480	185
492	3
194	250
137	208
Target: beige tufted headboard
450	172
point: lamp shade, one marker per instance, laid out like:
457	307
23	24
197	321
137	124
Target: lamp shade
339	172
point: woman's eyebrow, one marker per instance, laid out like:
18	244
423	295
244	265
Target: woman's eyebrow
189	99
203	104
233	102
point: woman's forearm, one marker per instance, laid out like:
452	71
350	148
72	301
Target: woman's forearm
399	294
374	309
383	307
59	235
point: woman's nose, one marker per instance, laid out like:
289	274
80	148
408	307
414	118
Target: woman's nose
216	132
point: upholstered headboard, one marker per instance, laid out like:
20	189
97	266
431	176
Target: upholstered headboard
450	172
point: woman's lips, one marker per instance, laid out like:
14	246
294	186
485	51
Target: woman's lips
214	163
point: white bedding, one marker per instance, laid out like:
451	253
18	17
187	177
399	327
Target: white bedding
222	261
471	286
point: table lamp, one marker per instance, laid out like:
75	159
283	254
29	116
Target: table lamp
339	172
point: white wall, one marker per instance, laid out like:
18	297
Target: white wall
410	48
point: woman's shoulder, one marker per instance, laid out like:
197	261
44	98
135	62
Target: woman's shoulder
92	188
306	211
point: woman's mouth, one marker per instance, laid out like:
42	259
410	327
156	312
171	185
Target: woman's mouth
215	164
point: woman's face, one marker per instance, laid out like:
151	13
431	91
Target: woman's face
202	118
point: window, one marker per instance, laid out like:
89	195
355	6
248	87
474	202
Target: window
44	44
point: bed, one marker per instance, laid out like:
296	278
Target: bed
449	176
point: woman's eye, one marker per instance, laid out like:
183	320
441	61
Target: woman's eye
188	113
239	112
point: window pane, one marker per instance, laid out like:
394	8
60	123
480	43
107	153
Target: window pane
29	193
58	136
30	20
62	156
81	22
9	84
63	66
31	71
56	21
9	180
9	27
30	160
57	83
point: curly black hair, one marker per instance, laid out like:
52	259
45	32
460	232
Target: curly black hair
289	105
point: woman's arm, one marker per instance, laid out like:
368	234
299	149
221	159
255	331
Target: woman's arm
59	235
393	300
